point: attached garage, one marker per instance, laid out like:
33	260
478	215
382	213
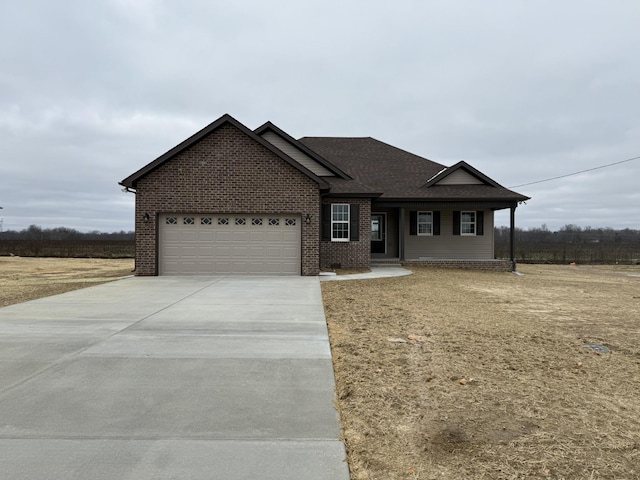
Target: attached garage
229	244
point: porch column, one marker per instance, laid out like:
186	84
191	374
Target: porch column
512	240
401	235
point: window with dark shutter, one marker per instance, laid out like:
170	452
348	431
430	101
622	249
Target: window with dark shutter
480	223
354	222
340	222
456	222
468	223
326	222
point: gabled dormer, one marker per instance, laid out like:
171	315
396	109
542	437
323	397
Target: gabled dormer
299	152
460	174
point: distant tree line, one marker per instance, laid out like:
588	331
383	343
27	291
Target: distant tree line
66	242
535	245
571	244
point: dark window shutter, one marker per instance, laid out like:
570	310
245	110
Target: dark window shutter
413	223
456	222
326	222
480	223
354	222
436	223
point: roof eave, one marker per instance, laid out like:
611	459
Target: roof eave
519	198
352	195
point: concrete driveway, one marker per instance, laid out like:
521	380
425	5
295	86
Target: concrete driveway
170	378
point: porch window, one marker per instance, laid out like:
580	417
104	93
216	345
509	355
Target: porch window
425	223
467	223
340	222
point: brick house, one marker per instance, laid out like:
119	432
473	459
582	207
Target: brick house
231	200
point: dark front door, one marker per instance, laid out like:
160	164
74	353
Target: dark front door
378	233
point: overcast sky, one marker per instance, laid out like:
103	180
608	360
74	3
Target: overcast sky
91	91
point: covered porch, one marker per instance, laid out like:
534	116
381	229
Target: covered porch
445	234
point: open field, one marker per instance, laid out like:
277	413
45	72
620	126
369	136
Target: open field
455	374
26	278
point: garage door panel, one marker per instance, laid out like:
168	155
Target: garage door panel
188	236
274	252
257	252
229	245
240	252
224	236
256	268
172	235
290	253
206	235
241	237
205	252
258	236
290	236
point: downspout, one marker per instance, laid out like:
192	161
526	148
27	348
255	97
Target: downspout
512	233
126	189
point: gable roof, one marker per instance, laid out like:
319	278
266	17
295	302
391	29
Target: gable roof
461	165
375	166
131	180
270	127
394	173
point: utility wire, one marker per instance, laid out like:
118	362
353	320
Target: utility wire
577	173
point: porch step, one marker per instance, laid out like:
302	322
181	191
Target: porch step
380	260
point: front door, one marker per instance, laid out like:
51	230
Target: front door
378	233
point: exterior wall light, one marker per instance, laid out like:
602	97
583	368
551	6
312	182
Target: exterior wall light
145	217
307	217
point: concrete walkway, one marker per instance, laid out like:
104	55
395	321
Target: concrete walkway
170	378
376	272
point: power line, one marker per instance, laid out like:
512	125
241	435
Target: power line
577	173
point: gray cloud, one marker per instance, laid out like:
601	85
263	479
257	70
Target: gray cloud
92	91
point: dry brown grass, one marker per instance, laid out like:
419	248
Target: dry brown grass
27	278
494	380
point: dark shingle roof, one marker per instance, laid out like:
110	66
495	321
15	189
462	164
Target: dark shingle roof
393	173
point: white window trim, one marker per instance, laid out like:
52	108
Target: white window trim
418	223
333	222
474	223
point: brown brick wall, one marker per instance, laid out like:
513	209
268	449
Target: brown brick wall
495	265
225	172
349	254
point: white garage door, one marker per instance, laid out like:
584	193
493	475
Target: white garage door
229	245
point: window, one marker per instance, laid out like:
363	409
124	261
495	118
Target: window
223	221
188	220
171	220
205	221
425	223
256	221
467	223
340	222
274	222
241	221
289	222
